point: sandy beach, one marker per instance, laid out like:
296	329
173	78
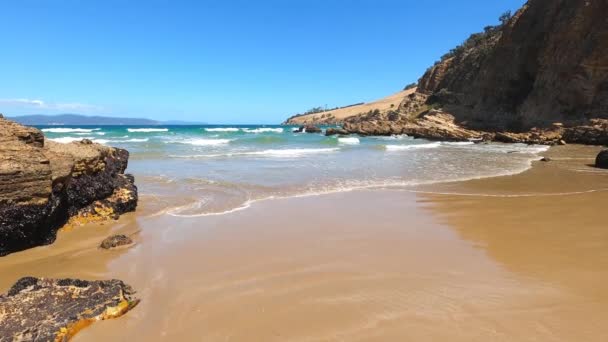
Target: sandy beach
520	258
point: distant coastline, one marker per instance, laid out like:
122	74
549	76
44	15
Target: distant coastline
78	119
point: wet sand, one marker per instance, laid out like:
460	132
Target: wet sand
517	258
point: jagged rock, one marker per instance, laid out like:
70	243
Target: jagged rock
545	65
601	160
44	183
433	125
593	133
39	309
335	131
116	241
308	129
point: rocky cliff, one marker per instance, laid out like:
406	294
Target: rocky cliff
548	63
544	71
44	184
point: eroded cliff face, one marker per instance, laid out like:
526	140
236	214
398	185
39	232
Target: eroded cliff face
44	184
548	64
540	77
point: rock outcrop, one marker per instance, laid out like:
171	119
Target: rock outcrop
36	309
432	125
308	129
602	160
44	184
335	131
115	241
547	64
541	76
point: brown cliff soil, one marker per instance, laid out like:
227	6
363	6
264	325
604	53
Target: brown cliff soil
540	77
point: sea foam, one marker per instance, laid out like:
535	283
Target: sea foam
349	141
263	130
70	130
147	130
412	147
271	153
203	142
66	140
223	129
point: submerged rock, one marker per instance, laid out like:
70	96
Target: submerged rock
116	241
39	309
43	184
602	160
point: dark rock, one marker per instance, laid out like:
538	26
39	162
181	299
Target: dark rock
43	184
38	309
545	159
433	125
594	132
601	160
545	65
116	241
308	129
335	131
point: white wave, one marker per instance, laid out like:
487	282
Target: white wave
70	130
67	140
223	129
147	130
263	130
511	148
292	152
349	141
277	153
395	137
458	143
88	133
101	141
131	140
536	148
202	142
412	147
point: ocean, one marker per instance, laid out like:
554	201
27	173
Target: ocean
216	169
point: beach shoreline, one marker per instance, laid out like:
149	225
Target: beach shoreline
371	264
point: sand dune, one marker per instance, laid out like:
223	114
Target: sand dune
340	114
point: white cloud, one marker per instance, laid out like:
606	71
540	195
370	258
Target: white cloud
40	104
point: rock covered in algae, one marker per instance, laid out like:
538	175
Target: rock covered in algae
43	184
115	241
40	309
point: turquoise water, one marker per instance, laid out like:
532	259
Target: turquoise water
218	169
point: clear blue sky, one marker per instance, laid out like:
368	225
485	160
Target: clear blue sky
222	61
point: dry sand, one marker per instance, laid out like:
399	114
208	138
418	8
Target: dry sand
340	114
518	258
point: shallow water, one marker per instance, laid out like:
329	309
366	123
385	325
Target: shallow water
217	169
515	258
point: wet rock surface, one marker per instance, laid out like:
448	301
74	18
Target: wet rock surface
44	184
116	241
39	309
308	129
602	160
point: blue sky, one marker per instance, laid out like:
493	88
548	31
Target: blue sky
222	61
